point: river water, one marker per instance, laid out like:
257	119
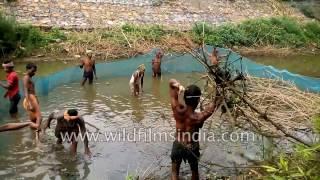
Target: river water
109	106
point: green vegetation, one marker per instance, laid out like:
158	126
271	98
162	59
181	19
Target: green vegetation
129	40
279	32
22	39
303	163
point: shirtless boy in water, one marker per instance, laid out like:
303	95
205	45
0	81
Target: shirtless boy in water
69	124
89	69
186	145
156	64
30	102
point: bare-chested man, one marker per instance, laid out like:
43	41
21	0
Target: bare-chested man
69	123
89	69
213	57
186	146
156	64
136	81
30	102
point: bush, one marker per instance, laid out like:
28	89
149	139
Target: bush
279	32
8	37
153	33
303	163
21	39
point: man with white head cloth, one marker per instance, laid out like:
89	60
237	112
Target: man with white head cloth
12	87
89	68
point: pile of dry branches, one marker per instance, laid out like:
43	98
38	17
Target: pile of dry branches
270	107
283	107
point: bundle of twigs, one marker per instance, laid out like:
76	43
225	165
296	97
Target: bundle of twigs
269	107
285	108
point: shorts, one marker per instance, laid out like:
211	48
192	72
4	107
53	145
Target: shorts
189	152
156	73
14	101
88	75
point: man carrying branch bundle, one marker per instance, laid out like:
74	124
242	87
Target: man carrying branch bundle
188	122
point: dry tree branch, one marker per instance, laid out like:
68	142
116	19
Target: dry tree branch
272	107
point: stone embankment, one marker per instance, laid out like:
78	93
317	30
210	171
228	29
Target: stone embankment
81	14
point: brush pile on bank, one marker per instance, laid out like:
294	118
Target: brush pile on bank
270	107
286	107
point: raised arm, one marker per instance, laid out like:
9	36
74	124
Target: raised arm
177	96
209	109
81	63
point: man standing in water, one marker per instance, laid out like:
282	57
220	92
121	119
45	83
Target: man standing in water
89	68
136	81
12	87
188	122
213	57
69	124
156	64
30	102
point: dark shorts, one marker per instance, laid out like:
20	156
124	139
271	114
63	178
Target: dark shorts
190	153
88	75
157	73
14	101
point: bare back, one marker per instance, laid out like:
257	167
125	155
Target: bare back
187	123
187	120
29	85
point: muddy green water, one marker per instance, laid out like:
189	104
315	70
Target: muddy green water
109	106
308	65
44	68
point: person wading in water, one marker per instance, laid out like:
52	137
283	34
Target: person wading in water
30	102
156	64
89	68
69	124
186	145
12	87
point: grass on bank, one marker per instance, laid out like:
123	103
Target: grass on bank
279	32
129	40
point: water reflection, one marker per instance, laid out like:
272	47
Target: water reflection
137	109
109	106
